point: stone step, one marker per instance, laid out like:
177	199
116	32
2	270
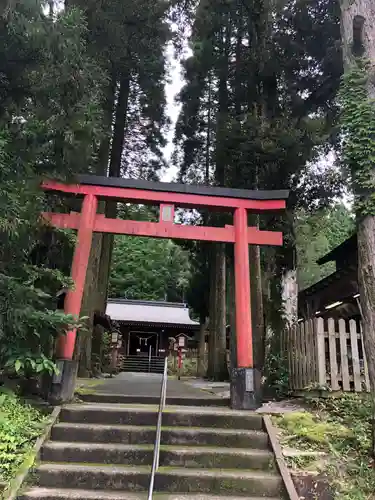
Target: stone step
141	369
170	456
142	364
128	434
144	360
68	494
138	357
188	416
136	479
97	397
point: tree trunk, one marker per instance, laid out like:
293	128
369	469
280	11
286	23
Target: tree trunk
217	365
257	307
111	207
217	268
231	308
85	349
289	285
289	297
208	135
366	281
238	72
212	312
358	36
220	348
202	348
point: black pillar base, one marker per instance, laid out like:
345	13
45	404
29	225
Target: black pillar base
63	385
245	389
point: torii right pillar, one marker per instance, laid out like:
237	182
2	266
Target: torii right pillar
245	388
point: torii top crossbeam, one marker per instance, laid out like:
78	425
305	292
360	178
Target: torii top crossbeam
169	195
183	195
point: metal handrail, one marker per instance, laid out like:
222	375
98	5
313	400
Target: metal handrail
155	462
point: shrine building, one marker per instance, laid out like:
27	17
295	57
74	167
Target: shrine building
149	329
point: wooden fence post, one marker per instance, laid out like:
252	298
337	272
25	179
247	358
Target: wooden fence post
291	358
314	351
333	355
322	377
344	356
365	367
355	356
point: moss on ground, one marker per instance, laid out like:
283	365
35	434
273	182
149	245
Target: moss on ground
341	429
87	386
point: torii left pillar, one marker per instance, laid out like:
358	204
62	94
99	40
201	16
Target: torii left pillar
63	383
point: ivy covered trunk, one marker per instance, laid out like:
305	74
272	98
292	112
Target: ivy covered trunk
357	98
289	297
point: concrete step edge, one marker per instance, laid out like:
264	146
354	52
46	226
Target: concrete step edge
180	449
111	469
215	411
143	428
78	494
210	400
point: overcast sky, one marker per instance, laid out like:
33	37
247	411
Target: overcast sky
172	89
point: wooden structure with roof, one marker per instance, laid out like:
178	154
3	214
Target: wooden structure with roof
147	326
335	296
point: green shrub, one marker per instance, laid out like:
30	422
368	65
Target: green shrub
20	426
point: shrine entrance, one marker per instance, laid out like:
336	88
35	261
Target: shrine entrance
142	343
244	379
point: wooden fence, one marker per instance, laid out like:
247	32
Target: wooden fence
327	354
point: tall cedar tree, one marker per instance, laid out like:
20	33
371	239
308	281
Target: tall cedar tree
357	95
127	40
261	88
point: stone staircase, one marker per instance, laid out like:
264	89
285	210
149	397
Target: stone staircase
137	364
105	451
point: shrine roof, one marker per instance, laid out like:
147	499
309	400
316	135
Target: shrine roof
172	187
149	312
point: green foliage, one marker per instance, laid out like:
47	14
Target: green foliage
189	367
317	234
49	126
358	124
340	427
26	363
20	426
197	294
127	41
148	269
276	372
106	350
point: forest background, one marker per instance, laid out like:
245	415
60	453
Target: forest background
82	90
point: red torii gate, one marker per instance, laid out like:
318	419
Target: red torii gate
167	196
